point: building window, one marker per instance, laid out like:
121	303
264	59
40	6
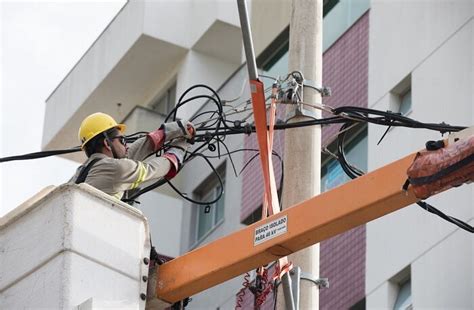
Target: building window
360	305
166	101
405	103
356	149
400	97
401	286
255	216
404	301
209	216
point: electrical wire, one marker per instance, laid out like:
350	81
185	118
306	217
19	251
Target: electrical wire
463	225
388	118
211	133
37	155
353	172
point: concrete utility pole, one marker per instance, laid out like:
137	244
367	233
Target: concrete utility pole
303	145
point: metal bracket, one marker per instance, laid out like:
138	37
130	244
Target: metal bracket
321	282
291	286
290	96
301	111
323	90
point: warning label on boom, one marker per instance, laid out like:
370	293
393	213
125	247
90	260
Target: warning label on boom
270	230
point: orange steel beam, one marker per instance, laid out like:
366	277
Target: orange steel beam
321	217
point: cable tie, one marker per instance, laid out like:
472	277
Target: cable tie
442	131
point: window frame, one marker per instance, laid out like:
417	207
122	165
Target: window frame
169	97
351	140
398	97
211	183
399	284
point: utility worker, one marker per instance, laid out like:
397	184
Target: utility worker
115	167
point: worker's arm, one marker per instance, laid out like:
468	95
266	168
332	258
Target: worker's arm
129	174
114	176
143	147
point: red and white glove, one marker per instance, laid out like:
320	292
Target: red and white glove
175	154
170	131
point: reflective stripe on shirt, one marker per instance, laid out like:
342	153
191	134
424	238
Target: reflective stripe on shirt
141	175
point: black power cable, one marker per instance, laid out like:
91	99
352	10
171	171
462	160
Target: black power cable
213	133
388	118
203	202
163	181
190	155
351	171
37	155
354	172
426	206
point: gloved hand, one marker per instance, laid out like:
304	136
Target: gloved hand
178	148
178	129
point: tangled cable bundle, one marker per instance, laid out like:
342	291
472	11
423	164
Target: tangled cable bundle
213	125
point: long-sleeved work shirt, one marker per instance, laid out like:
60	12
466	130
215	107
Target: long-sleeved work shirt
115	176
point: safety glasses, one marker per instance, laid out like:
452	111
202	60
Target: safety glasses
122	140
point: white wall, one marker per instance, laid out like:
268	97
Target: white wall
404	33
199	68
432	41
442	276
89	72
164	213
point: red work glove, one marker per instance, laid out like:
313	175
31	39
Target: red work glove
175	154
169	131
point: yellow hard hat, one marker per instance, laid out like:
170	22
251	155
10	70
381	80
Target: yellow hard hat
95	124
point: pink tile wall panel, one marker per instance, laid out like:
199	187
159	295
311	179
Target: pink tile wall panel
345	70
342	258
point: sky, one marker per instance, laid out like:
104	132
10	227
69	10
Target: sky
41	41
